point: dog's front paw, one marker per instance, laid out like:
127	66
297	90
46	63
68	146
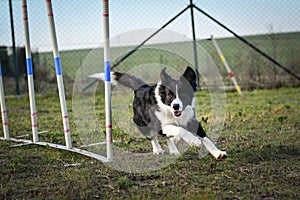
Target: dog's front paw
158	151
219	155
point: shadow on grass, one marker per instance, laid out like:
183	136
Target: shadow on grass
267	153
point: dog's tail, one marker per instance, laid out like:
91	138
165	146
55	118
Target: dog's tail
124	79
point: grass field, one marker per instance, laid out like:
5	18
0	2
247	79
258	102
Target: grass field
261	134
282	46
250	68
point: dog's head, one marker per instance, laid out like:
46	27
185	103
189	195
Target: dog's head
177	94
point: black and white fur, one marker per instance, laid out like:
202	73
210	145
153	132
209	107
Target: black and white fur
167	108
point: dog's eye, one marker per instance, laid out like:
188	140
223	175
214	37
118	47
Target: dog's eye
170	96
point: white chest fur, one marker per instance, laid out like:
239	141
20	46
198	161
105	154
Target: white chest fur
166	117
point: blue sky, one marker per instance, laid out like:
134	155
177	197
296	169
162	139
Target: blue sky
79	23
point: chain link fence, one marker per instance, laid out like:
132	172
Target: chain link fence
272	26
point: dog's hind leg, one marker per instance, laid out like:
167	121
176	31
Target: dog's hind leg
172	147
156	146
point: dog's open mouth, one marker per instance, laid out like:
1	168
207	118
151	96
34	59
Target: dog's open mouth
177	113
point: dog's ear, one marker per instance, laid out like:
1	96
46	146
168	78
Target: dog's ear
165	78
190	75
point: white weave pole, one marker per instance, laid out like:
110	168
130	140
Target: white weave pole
105	14
3	107
59	77
237	87
29	73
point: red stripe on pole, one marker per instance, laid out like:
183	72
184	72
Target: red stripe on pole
105	8
230	74
34	125
24	10
49	8
67	130
108	126
4	122
66	116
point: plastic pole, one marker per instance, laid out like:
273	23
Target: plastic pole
105	7
3	107
237	87
59	77
30	73
194	43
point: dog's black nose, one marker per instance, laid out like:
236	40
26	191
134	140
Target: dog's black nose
176	106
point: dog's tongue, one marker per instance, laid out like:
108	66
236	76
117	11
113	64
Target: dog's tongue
177	113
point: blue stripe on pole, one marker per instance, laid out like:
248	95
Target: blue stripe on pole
0	69
107	71
29	66
57	66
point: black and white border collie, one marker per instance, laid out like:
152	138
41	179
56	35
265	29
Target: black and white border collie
166	108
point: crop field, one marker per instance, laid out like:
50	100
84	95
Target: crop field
261	134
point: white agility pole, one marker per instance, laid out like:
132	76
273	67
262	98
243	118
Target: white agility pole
3	107
237	87
30	73
68	145
59	77
105	14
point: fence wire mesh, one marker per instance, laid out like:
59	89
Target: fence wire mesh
272	26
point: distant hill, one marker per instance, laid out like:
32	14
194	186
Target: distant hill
251	69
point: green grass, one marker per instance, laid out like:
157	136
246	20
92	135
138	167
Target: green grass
245	62
261	135
251	70
273	44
